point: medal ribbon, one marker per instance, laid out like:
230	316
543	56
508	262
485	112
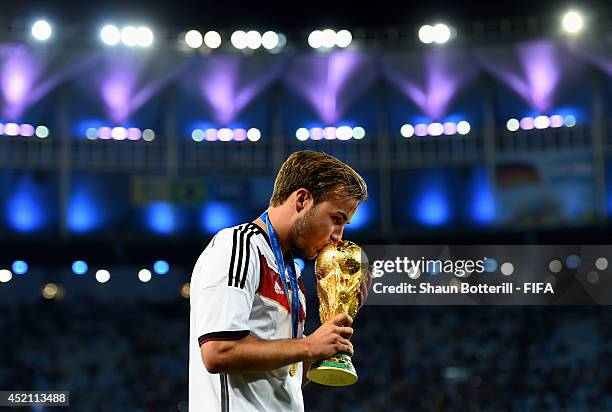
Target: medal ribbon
290	270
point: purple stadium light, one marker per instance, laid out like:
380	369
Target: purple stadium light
228	83
225	135
526	123
450	128
24	77
240	135
134	133
19	72
329	133
431	80
117	90
556	120
532	70
210	135
127	80
26	130
420	129
331	83
435	129
541	122
11	129
342	133
119	133
104	133
316	133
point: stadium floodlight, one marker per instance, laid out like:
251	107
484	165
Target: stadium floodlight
302	134
441	33
426	34
463	127
161	267
344	132
315	39
330	133
253	40
435	129
239	40
79	267
20	267
254	134
144	36
572	22
42	132
103	276
12	129
5	275
329	38
144	275
512	125
148	135
407	130
129	36
110	35
269	40
194	39
343	38
212	40
41	30
541	122
225	134
359	132
556	120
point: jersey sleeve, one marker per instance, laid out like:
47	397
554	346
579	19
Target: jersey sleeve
226	277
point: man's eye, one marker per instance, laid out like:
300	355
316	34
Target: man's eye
337	221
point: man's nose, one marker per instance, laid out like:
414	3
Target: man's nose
337	235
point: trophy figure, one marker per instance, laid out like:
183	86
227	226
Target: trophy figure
341	272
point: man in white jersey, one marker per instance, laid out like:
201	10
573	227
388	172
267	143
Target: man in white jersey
247	347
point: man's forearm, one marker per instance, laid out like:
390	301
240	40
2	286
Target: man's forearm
251	355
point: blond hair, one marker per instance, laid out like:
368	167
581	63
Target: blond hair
324	176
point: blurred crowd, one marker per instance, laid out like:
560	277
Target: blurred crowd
125	357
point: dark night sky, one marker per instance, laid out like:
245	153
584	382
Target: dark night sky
227	14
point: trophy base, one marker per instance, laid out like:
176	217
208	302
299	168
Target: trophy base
337	370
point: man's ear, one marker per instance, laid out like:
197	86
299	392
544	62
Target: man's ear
302	198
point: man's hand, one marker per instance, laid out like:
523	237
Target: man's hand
330	338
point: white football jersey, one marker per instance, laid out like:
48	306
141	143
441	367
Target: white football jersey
235	291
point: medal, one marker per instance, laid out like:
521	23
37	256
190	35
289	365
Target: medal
293	370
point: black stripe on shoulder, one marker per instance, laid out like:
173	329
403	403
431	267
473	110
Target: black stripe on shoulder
232	260
223	335
240	255
260	231
246	261
243	264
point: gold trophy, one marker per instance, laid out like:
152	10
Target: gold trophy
341	272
